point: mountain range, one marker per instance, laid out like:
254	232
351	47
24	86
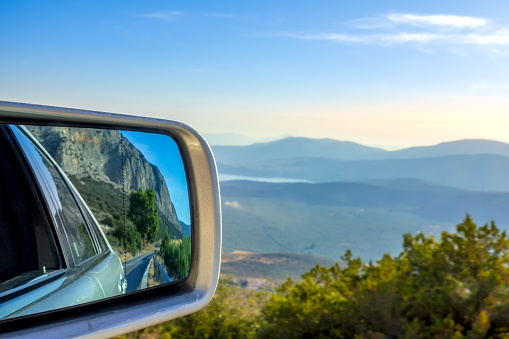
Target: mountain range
295	147
292	147
468	164
356	197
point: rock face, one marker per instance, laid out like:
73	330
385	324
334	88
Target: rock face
98	154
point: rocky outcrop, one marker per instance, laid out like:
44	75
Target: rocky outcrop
99	154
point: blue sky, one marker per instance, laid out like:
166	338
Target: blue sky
383	73
162	151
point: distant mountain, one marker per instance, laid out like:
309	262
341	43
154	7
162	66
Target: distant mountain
467	146
293	147
96	154
483	172
186	229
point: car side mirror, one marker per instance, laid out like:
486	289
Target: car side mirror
110	223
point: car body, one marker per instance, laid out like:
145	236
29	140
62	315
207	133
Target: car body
66	259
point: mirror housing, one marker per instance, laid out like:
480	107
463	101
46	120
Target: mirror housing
129	312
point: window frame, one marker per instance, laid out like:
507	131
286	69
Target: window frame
49	197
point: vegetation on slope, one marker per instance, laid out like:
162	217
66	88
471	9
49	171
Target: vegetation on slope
177	256
105	202
451	287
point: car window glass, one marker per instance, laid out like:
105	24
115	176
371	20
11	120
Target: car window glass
25	236
75	228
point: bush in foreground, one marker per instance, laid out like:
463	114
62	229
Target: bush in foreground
453	287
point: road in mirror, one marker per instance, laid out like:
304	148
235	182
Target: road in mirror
88	214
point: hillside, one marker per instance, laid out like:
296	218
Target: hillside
275	267
327	219
272	226
292	147
440	205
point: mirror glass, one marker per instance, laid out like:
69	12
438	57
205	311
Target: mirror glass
87	214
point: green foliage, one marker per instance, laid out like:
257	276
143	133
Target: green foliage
452	287
132	240
144	213
101	197
455	287
176	255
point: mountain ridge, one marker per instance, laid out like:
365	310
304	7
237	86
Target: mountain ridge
293	147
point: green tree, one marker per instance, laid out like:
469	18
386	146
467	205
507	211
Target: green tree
176	255
455	287
144	213
125	237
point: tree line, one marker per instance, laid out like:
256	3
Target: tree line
456	286
141	225
176	255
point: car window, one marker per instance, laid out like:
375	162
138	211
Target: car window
25	233
74	225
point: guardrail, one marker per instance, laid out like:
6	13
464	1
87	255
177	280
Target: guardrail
144	281
160	273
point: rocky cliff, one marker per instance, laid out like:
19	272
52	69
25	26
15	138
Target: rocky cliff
97	154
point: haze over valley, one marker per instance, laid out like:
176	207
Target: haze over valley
354	196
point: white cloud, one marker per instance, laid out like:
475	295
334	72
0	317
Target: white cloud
407	37
467	31
371	38
163	15
234	204
438	20
497	38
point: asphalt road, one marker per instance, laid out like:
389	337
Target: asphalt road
135	268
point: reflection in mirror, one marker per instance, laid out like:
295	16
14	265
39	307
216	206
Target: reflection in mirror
88	214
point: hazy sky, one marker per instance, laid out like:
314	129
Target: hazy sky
383	73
